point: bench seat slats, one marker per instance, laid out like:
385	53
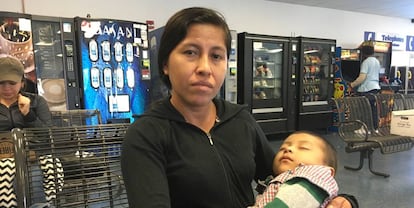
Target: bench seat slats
364	124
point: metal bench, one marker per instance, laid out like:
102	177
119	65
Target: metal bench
399	102
76	166
409	101
356	128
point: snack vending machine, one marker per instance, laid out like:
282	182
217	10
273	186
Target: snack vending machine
267	81
56	62
316	77
114	60
16	40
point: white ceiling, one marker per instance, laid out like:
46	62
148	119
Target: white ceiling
391	8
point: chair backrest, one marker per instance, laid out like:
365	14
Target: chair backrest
355	108
76	117
399	103
384	105
74	166
409	101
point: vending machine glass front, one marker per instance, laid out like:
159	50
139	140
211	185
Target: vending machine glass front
317	67
267	73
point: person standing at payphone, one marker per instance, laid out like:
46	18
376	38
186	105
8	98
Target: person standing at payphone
368	79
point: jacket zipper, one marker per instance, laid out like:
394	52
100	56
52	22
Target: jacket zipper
11	117
210	138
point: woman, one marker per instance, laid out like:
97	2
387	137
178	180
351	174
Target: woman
19	109
192	149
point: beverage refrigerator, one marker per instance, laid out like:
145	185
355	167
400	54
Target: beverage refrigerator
56	62
266	80
16	40
229	88
315	78
115	66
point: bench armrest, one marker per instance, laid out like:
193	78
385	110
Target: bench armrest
353	131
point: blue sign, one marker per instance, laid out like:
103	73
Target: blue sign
410	43
369	35
398	41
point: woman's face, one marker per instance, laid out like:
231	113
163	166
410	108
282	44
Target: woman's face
197	65
9	89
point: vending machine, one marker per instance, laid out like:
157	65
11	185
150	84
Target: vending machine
315	83
55	55
16	40
115	66
158	89
267	80
229	88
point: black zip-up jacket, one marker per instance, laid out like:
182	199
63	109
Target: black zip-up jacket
167	162
38	116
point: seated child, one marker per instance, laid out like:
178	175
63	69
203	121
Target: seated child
304	167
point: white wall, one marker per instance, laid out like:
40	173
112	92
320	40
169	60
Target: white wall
254	16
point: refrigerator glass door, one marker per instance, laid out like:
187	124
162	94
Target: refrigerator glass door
267	72
16	40
317	68
230	83
47	44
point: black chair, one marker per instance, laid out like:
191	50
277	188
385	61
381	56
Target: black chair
356	128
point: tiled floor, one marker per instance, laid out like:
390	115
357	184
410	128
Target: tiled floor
373	191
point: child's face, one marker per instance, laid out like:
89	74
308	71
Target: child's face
300	148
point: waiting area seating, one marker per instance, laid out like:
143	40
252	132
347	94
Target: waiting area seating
364	125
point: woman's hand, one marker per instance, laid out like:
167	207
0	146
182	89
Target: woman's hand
24	104
349	88
339	202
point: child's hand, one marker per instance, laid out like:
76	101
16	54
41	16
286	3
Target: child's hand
24	104
339	202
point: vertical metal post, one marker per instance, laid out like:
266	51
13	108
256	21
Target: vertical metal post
22	186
